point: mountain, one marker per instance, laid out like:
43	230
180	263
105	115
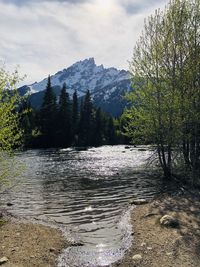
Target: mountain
107	85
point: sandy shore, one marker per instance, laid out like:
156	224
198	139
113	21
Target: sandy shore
28	244
155	245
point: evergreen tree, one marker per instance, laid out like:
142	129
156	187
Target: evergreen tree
110	132
75	115
64	118
98	130
48	116
86	121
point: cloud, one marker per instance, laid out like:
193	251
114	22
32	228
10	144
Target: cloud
137	6
46	36
27	2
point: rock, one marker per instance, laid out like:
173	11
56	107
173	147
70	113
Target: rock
9	204
169	221
137	257
3	260
127	147
78	244
149	248
52	249
143	244
138	201
169	253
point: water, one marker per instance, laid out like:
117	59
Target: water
87	191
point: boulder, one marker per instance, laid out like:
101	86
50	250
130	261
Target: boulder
169	221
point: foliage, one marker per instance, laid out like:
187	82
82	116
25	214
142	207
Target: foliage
165	72
64	123
10	131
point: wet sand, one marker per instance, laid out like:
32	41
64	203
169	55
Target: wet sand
155	245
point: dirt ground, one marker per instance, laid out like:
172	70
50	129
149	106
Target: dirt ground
27	245
160	246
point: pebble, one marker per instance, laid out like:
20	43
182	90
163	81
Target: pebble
3	260
138	201
169	221
137	257
169	253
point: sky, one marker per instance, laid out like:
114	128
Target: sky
45	36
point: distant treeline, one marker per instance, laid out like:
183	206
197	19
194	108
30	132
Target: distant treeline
68	122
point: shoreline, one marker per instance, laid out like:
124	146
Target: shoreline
155	245
29	243
25	243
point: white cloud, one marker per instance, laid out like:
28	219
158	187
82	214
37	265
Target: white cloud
46	36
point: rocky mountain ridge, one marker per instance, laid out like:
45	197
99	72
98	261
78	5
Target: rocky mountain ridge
107	85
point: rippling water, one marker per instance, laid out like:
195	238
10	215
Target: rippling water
88	191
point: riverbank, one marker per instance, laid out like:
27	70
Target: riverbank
29	244
155	245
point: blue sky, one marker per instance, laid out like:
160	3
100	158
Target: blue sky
44	36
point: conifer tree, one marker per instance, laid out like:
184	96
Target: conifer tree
86	121
64	118
75	115
110	132
48	116
98	130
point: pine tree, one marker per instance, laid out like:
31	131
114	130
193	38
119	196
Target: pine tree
48	116
75	116
86	121
110	132
64	118
98	130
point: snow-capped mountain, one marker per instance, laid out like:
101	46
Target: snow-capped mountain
107	85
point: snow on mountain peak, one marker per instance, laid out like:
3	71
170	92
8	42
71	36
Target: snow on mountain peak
81	76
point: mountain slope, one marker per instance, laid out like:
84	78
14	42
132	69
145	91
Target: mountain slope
107	85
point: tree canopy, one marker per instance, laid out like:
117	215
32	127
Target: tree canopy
165	71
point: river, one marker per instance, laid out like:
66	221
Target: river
88	192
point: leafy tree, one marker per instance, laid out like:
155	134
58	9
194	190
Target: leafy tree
10	131
165	74
26	121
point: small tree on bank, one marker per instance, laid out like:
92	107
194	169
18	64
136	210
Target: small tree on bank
10	131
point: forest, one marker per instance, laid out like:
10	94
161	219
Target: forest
67	122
